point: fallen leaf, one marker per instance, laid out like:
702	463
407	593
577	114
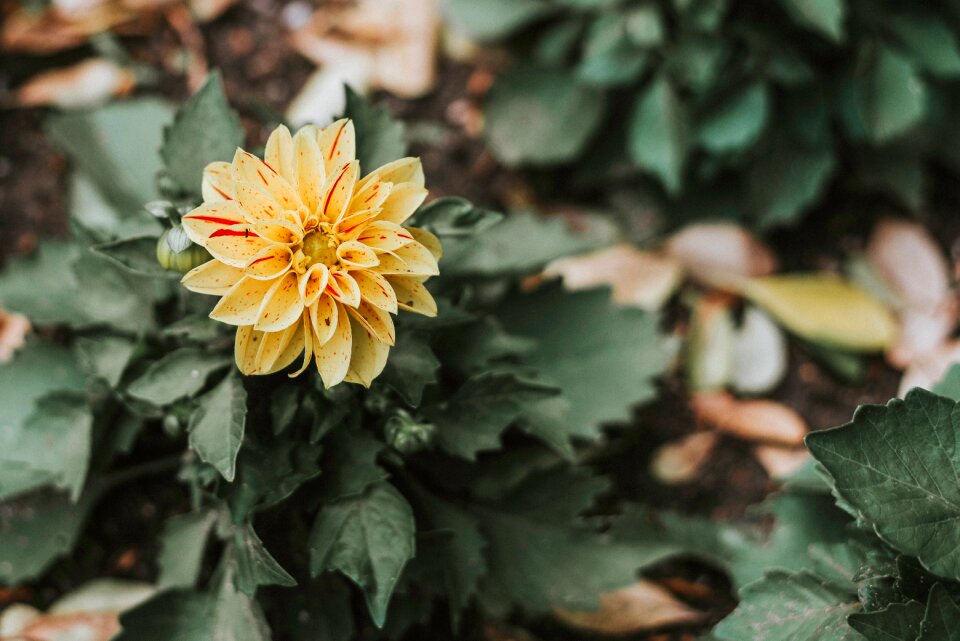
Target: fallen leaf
720	254
930	368
825	309
13	333
84	84
753	420
680	461
396	40
322	98
642	606
64	25
709	348
759	354
922	331
908	258
637	278
780	462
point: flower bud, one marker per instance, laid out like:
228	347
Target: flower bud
406	435
177	253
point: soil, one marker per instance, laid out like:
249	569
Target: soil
247	45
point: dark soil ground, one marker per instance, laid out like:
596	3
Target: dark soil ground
262	72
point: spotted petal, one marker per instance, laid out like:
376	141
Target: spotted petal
412	295
376	289
311	174
246	347
338	144
275	344
282	306
248	167
235	245
323	316
343	288
217	182
270	262
278	154
257	203
337	192
405	170
241	305
428	240
379	322
209	217
384	236
333	357
401	203
312	283
212	277
370	193
368	356
357	255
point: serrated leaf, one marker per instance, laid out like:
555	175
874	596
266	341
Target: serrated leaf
737	122
137	255
659	138
941	622
891	97
255	565
790	607
949	385
897	622
217	425
204	130
380	138
895	466
825	16
179	374
541	116
182	545
474	417
369	538
603	358
105	356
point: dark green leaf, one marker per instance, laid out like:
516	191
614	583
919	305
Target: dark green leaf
205	130
183	542
890	96
179	374
350	464
930	41
269	473
784	182
105	356
897	622
451	217
255	565
737	122
659	137
217	425
494	19
942	619
411	367
137	254
825	16
949	386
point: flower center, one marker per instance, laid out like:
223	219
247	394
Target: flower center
320	247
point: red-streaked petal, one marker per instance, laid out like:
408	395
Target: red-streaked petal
212	277
235	245
357	255
279	231
333	357
354	224
369	194
428	240
410	260
312	283
343	288
401	203
257	203
209	217
269	263
217	182
376	289
337	192
282	306
248	167
338	145
241	305
311	174
405	170
412	296
384	236
278	154
379	322
368	356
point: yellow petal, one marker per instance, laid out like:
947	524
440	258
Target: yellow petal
376	289
333	357
273	345
306	346
209	217
278	154
248	167
311	174
384	236
337	192
257	203
312	283
246	346
282	306
355	224
428	240
212	277
825	309
338	144
217	182
410	260
370	193
404	170
235	245
343	288
368	356
241	305
279	231
401	203
412	295
357	255
377	321
271	262
323	316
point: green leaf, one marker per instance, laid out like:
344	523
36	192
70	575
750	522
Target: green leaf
604	358
217	425
255	565
48	270
412	366
895	465
137	255
321	610
350	464
99	142
495	19
942	619
897	622
104	356
36	370
186	615
736	122
790	607
369	538
949	386
36	529
106	295
179	374
182	545
658	138
891	97
204	130
51	447
522	243
784	182
610	57
930	41
380	138
452	217
473	418
541	116
825	16
91	210
268	473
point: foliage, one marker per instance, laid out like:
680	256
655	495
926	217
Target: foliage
729	109
449	480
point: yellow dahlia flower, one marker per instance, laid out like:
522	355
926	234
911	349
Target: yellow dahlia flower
311	258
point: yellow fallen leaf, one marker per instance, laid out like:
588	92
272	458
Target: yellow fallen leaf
641	606
825	309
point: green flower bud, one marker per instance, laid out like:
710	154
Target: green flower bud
177	253
407	435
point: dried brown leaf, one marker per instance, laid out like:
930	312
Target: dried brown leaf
680	461
753	420
645	605
13	333
780	462
721	254
84	84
